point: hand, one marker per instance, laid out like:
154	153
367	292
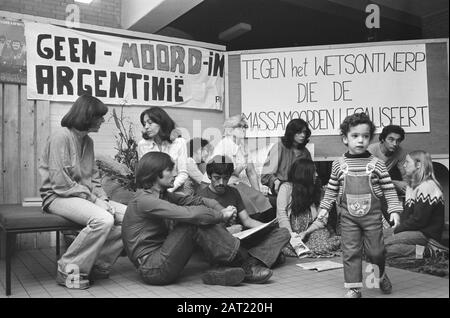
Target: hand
264	190
236	228
229	213
395	218
105	205
276	185
302	235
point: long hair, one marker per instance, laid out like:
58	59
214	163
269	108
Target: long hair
159	116
150	167
84	113
424	172
306	188
292	128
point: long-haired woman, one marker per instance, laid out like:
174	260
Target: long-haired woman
422	221
69	189
298	203
161	135
282	155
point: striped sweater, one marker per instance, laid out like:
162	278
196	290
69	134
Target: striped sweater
381	182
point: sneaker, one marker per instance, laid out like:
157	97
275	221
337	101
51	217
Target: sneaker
65	280
225	276
385	284
255	272
353	293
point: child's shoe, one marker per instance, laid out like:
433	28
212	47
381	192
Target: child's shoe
385	284
353	293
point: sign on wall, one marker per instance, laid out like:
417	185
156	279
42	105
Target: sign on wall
12	52
389	83
64	63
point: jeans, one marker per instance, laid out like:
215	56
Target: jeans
164	265
99	243
359	232
403	245
267	247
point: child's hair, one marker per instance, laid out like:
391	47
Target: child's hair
295	126
355	120
150	167
306	188
425	172
221	165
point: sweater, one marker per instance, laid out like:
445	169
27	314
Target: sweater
380	179
67	168
424	210
279	161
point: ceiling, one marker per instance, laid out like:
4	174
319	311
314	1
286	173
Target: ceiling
286	23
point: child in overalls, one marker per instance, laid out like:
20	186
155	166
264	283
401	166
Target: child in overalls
358	180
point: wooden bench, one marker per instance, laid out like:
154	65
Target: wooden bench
16	219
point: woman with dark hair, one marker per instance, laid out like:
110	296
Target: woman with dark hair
298	207
161	135
283	154
69	190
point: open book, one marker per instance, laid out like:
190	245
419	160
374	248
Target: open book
321	265
299	247
250	232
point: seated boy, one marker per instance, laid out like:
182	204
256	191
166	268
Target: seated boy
265	248
159	254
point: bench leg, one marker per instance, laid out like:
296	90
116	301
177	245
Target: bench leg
58	246
8	255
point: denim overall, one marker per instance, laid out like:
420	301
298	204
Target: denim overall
360	212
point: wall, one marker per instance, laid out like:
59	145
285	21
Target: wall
24	130
99	12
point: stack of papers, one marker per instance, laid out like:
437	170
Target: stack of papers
321	266
250	232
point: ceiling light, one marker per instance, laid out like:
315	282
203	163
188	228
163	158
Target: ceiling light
235	31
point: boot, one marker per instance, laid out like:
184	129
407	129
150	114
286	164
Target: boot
225	276
256	272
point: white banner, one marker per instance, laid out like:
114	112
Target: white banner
389	83
64	63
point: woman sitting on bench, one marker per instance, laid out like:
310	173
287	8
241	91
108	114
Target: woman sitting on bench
69	190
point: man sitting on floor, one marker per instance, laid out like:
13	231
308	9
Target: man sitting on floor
264	248
159	254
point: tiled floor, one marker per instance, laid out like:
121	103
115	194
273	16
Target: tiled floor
34	276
